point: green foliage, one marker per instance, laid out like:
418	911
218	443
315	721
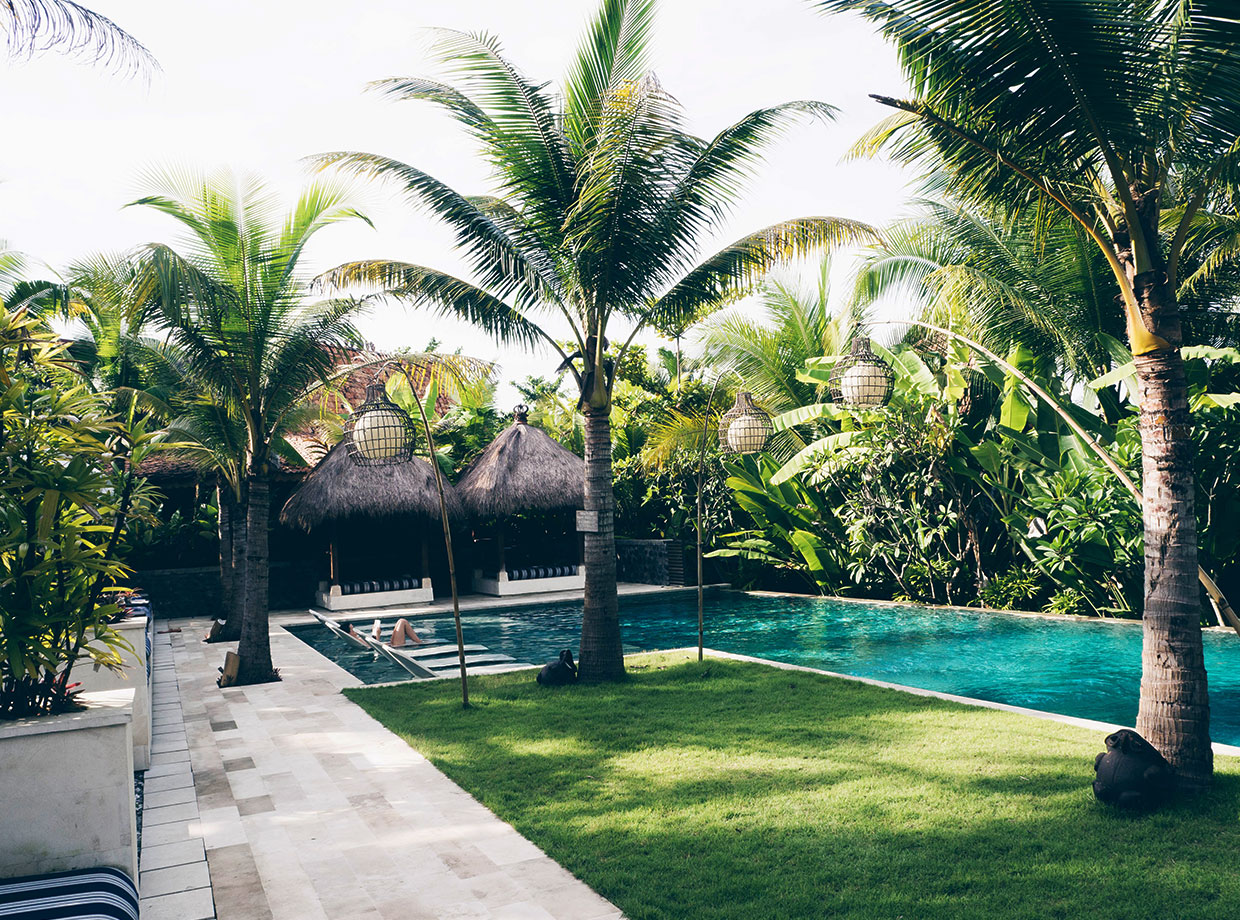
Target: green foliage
1012	590
730	791
67	492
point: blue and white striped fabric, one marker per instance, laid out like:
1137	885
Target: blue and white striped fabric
84	894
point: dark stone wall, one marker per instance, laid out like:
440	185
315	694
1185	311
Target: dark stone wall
195	592
650	562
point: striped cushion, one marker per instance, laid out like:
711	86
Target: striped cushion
84	894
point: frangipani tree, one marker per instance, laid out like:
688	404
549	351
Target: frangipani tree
1114	115
604	200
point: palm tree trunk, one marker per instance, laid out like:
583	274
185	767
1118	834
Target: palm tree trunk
255	647
601	655
224	518
1174	713
234	598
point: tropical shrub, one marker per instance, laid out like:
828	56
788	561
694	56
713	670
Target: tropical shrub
67	493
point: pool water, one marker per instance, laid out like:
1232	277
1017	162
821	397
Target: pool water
1085	668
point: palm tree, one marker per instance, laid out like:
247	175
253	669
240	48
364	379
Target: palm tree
767	349
31	26
603	200
245	346
1110	114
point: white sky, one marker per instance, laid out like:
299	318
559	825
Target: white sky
258	85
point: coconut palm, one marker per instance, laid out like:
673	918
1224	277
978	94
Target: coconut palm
1107	113
31	26
767	348
245	345
603	199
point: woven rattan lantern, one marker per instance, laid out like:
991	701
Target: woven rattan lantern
744	429
861	378
379	432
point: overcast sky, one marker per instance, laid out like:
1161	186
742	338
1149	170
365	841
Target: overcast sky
258	85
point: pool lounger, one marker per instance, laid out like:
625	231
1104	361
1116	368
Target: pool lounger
404	661
339	631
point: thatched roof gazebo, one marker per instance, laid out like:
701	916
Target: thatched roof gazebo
370	514
525	472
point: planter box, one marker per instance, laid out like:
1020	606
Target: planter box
66	799
137	674
500	586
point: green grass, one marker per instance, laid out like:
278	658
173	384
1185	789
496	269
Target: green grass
734	790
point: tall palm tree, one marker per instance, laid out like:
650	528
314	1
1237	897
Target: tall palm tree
31	26
245	344
1107	113
603	201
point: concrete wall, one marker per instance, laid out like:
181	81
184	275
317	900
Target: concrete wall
67	798
644	562
136	676
196	592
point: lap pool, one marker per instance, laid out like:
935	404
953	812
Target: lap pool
1085	668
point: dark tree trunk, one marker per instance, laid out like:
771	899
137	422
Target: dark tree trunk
224	519
601	655
255	647
234	596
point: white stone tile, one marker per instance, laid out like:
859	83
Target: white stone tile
155	882
185	905
179	780
172	854
175	832
179	796
166	814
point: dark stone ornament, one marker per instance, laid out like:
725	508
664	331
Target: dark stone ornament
1131	773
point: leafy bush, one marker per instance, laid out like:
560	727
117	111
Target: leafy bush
1013	590
67	491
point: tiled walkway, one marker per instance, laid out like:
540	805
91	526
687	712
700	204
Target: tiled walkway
174	880
308	808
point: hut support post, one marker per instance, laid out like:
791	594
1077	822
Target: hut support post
499	545
333	572
447	536
426	559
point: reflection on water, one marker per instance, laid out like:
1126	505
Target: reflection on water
1083	668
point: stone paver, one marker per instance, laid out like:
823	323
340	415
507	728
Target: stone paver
173	878
308	808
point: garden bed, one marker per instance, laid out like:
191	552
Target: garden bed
733	790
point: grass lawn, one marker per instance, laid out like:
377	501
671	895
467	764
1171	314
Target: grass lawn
735	790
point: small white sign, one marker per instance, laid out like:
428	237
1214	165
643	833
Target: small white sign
587	522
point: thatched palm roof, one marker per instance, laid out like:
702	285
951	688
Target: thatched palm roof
523	469
339	490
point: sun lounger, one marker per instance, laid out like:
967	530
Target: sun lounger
340	631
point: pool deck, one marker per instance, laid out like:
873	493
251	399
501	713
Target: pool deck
306	808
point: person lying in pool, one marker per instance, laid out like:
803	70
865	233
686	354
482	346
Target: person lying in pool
402	633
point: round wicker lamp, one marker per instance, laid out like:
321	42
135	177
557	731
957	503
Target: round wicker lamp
861	378
745	428
379	432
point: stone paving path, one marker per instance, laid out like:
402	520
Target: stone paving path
308	808
173	876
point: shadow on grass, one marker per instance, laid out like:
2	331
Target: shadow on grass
734	790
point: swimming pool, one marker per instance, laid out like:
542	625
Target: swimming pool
1085	668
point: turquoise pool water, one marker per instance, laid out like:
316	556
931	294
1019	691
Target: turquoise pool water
1085	668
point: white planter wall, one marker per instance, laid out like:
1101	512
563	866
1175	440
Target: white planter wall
66	790
137	675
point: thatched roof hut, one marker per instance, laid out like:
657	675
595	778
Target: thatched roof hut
523	469
339	491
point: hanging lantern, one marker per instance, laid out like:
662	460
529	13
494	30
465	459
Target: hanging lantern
744	429
861	378
379	432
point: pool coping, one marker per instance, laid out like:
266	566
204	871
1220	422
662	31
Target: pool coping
1229	750
1036	614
